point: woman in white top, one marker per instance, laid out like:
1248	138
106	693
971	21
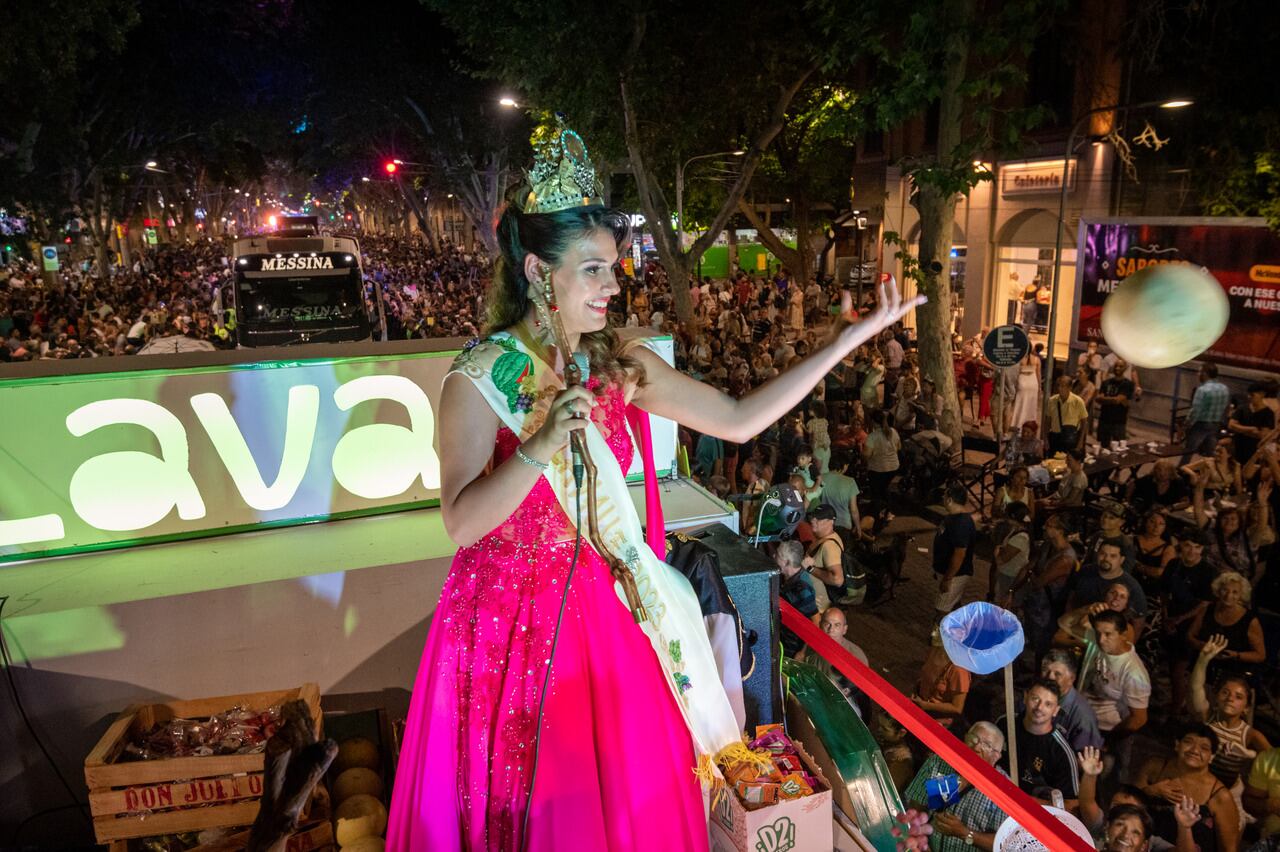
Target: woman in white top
820	435
1016	489
881	453
904	411
1026	404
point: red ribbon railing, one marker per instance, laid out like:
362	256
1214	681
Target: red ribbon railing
1029	813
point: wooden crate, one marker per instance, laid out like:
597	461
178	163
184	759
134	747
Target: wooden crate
310	837
149	797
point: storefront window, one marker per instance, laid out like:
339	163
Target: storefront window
1024	280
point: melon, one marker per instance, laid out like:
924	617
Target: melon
359	816
356	751
357	780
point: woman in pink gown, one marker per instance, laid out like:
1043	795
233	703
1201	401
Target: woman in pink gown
600	754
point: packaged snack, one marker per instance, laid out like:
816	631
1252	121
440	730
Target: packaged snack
788	763
757	794
794	786
775	742
742	771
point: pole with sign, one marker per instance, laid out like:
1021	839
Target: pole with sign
49	254
1004	346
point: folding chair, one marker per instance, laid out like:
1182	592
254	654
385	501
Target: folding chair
976	476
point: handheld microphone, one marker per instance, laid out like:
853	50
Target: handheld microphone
573	376
579	466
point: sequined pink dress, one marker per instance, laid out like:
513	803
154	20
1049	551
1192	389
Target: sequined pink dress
615	769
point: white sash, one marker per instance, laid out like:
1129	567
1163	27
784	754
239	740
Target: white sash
519	387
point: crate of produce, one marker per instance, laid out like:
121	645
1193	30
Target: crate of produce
359	780
313	836
184	766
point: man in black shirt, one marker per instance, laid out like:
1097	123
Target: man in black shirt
1093	581
953	550
1186	586
1046	761
761	327
1252	423
1113	404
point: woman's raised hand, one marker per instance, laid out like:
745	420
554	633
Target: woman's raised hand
889	309
1213	646
1090	760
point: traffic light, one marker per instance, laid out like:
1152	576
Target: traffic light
390	167
67	240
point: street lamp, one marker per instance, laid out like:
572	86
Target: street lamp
510	103
1062	215
680	186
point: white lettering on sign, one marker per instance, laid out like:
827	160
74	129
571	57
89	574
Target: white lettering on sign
280	264
383	459
308	313
128	490
228	440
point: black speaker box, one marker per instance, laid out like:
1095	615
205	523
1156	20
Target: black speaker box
752	579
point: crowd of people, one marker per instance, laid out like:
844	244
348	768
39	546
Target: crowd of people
167	301
1146	648
1147	600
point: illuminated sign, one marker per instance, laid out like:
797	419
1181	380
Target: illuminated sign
119	459
1036	177
116	459
272	264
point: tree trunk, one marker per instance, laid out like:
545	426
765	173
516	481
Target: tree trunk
99	222
792	258
732	264
933	319
937	208
804	246
657	212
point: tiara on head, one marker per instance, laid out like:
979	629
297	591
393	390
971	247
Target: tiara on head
562	175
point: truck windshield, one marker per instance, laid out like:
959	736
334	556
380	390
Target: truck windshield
306	292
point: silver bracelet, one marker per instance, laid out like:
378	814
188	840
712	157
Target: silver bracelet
530	460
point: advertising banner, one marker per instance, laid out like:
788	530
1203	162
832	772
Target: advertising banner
1245	259
109	460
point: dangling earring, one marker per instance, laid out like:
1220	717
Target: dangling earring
543	317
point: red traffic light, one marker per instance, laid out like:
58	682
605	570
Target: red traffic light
67	240
390	167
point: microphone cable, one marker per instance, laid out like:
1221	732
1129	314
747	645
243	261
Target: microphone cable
7	662
555	641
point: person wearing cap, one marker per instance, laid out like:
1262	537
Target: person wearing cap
824	557
1111	523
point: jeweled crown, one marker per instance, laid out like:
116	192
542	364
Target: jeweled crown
562	175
